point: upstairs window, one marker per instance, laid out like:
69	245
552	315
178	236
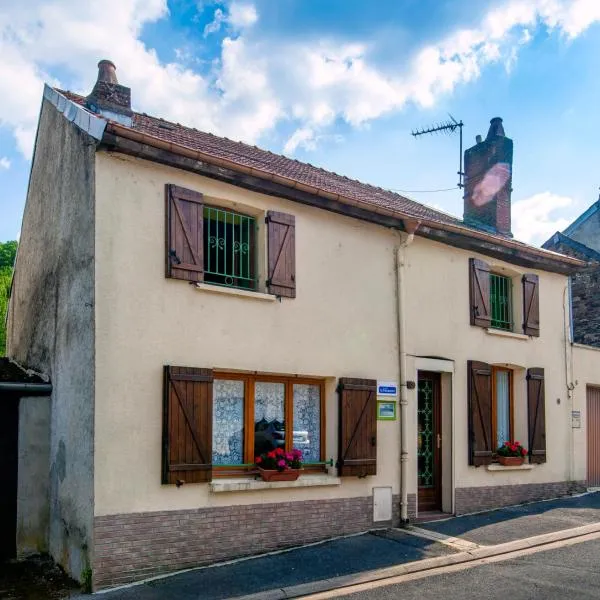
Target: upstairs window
493	298
210	244
501	302
229	248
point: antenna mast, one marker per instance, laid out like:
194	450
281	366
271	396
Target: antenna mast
447	127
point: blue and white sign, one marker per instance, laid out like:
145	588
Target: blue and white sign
387	389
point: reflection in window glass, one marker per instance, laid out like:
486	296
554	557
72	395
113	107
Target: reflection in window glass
307	421
269	417
502	407
228	422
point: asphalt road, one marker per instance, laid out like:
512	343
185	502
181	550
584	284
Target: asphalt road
572	573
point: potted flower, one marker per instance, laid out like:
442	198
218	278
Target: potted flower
279	465
511	454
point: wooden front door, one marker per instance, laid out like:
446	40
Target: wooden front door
593	436
429	442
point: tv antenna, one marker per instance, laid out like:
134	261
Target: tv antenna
447	127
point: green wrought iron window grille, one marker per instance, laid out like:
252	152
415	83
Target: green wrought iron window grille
229	248
501	301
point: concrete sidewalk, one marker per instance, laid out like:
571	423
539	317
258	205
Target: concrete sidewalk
372	555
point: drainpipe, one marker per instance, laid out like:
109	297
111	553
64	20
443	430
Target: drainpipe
568	333
410	228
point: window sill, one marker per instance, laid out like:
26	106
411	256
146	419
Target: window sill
250	485
497	467
508	334
217	289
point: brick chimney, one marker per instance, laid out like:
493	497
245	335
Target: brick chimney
488	181
109	98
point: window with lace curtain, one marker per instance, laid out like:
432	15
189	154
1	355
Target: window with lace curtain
502	405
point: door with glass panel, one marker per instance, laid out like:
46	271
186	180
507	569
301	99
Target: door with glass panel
429	442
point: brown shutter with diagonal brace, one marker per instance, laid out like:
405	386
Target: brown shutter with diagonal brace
536	412
480	413
358	427
531	305
185	234
187	425
281	234
479	293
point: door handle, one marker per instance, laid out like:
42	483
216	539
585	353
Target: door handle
439	440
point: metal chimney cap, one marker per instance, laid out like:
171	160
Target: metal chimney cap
107	71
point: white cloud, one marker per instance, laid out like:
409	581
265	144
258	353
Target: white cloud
4	163
242	15
534	219
215	24
239	16
255	82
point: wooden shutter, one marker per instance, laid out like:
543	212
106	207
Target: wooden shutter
185	234
479	293
281	233
187	425
358	427
536	411
531	305
480	413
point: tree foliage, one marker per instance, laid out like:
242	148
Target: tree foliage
8	251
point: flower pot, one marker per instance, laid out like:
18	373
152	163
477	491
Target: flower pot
511	461
274	475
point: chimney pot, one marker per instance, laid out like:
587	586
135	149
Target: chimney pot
107	71
478	139
496	128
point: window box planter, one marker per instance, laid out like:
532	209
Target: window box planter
274	475
511	461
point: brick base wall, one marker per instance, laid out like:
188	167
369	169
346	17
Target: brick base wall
130	547
482	498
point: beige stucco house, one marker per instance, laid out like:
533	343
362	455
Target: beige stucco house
195	301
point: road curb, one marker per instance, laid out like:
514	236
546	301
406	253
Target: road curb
325	585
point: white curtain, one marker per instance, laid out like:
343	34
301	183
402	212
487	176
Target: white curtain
502	407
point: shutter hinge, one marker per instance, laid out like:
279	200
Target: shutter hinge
267	219
174	258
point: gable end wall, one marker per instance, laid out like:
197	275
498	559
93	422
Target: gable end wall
51	323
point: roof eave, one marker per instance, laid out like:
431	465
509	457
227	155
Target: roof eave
530	256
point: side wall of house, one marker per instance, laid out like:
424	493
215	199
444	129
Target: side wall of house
51	322
342	323
33	509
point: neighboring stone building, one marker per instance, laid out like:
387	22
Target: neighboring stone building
195	300
581	239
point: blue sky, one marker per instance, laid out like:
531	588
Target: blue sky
337	83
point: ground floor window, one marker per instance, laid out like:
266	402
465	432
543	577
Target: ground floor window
502	405
253	414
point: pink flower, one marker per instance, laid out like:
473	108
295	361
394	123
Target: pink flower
289	456
281	463
258	460
523	451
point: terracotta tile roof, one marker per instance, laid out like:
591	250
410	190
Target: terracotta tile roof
248	156
304	173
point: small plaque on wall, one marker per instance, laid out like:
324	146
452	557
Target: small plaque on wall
576	419
386	410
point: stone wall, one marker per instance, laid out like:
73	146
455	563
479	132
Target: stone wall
585	292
